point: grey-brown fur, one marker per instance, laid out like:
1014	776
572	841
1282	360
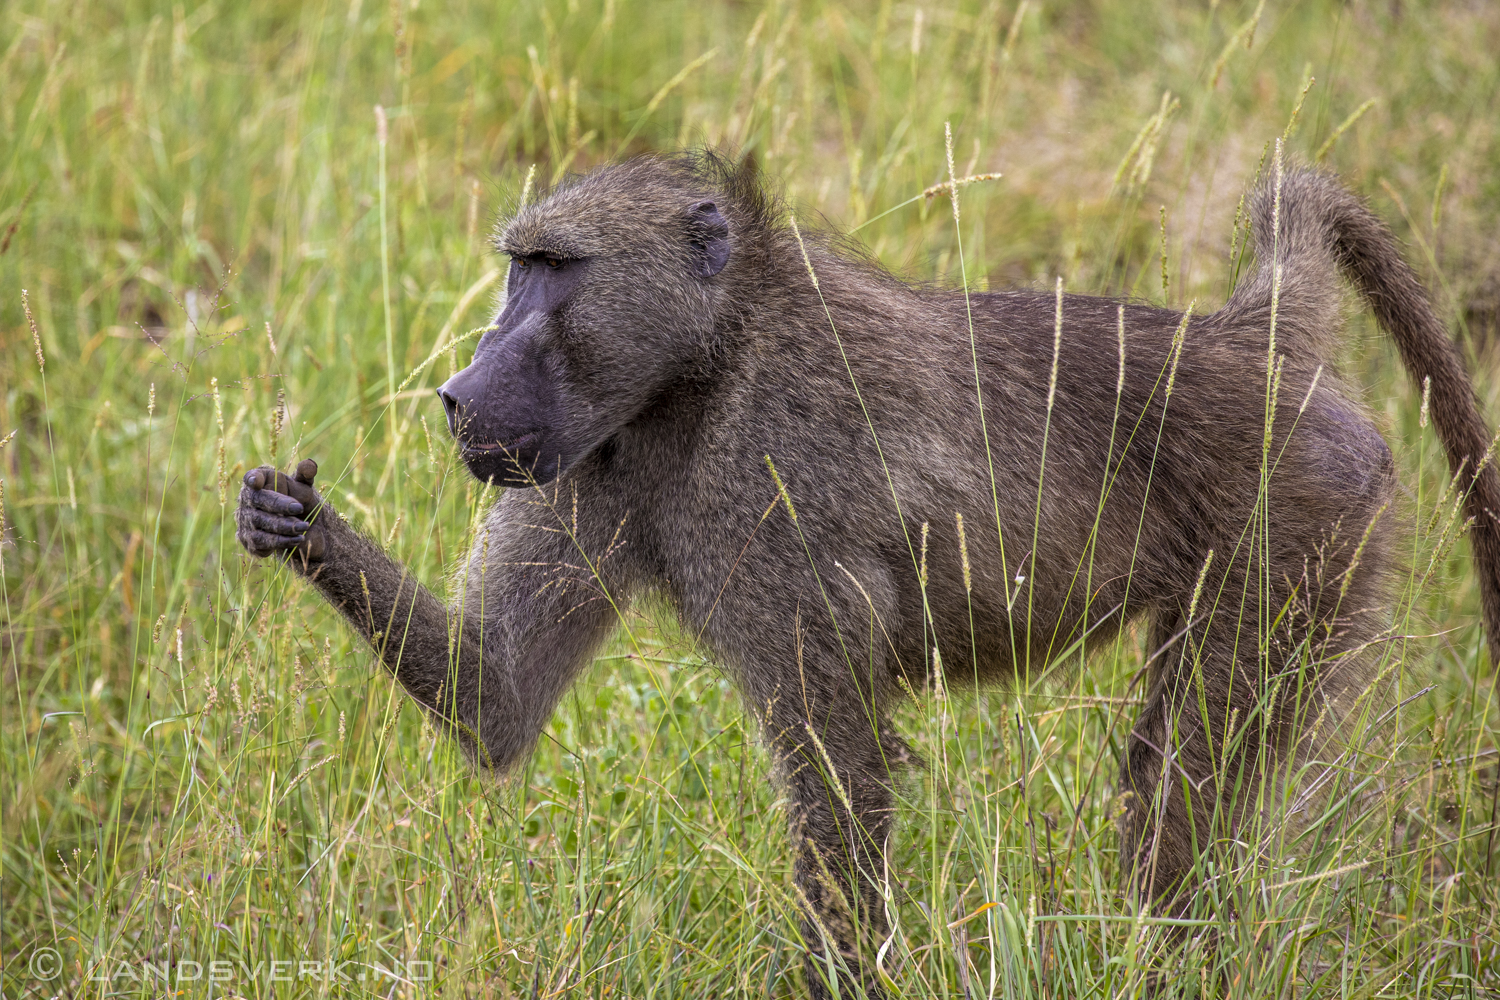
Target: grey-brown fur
673	373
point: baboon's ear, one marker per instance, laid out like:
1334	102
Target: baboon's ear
747	171
710	239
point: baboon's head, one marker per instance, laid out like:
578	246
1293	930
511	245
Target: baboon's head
614	294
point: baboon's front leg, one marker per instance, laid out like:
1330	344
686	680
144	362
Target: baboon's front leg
836	758
489	668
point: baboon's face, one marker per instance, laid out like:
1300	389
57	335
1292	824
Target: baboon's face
610	292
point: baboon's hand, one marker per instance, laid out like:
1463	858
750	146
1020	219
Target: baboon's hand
281	513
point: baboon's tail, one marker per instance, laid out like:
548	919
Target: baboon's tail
1322	228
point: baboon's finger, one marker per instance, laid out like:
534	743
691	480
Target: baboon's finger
275	524
275	502
263	543
298	490
306	470
255	479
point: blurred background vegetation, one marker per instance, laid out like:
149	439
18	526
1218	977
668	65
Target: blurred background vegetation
224	265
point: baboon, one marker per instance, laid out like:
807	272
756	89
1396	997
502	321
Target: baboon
685	394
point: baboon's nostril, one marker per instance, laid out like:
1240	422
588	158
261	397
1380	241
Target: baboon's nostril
452	407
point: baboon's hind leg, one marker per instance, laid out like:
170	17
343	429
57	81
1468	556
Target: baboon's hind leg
1192	759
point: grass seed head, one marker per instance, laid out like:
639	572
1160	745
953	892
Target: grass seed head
1164	283
1056	346
1198	587
952	174
36	338
963	554
806	260
1120	333
922	564
1178	339
786	497
278	420
219	419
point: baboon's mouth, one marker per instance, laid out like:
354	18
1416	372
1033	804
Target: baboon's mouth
500	447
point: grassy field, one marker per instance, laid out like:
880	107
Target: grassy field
223	265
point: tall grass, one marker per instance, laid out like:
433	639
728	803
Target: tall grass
228	259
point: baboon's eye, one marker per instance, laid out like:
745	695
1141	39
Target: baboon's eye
554	263
522	263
